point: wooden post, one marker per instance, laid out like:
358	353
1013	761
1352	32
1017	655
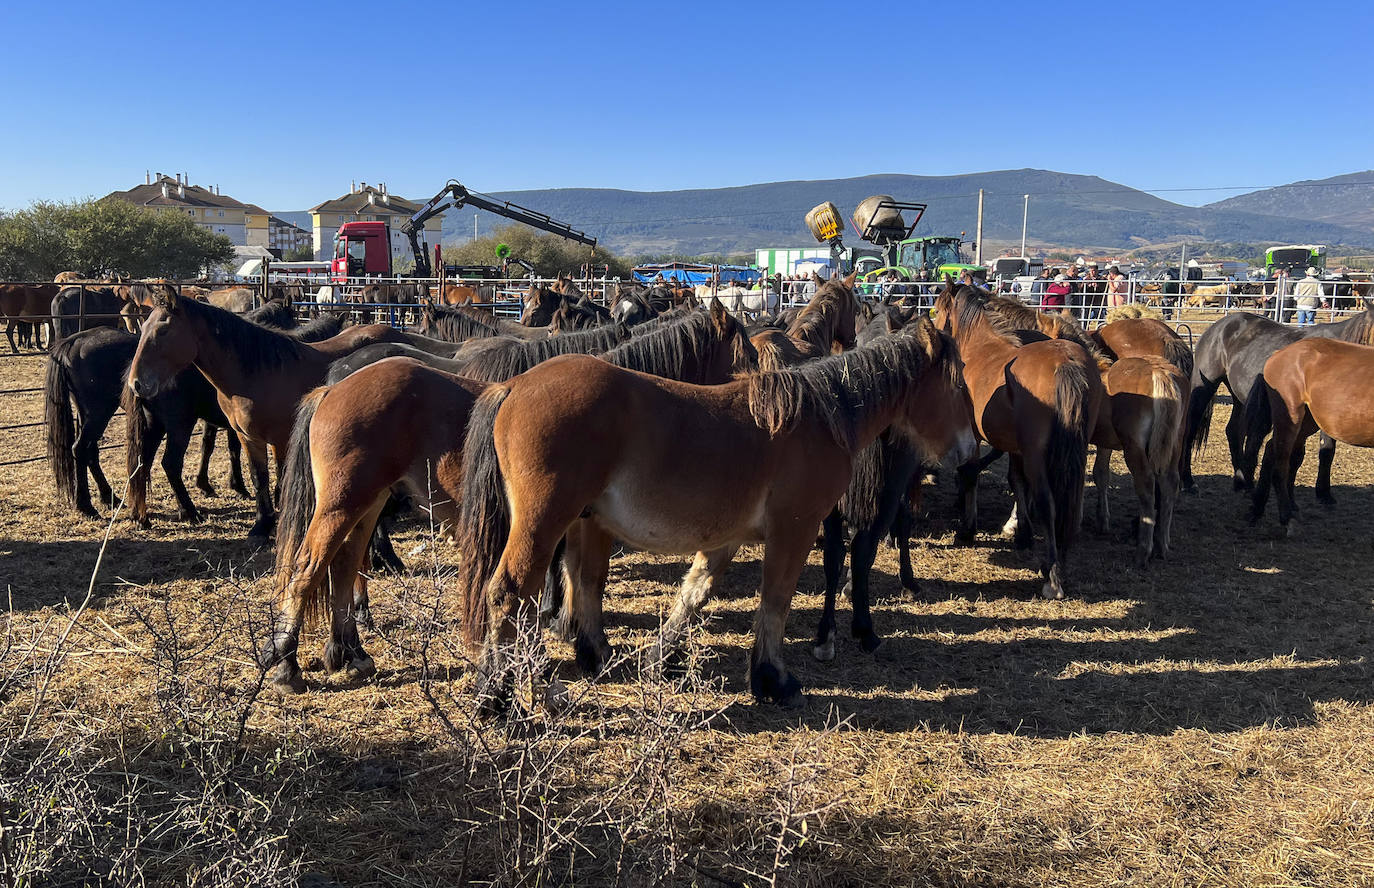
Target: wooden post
266	270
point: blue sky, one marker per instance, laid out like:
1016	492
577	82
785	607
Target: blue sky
283	104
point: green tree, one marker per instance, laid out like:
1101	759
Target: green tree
302	253
550	254
99	238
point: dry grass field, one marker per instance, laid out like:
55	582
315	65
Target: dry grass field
1204	722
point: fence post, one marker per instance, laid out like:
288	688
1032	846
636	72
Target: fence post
266	270
81	310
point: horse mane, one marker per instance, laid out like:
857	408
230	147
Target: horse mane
969	305
258	348
515	356
1359	328
822	311
838	391
457	324
1055	326
667	350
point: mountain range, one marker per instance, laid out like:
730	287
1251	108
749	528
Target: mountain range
1064	210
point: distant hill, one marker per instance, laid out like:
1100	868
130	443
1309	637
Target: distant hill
1065	209
1342	200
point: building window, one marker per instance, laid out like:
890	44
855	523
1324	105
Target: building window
341	220
220	213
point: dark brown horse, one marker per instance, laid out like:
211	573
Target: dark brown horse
398	425
26	304
1142	337
670	467
828	323
260	374
1313	385
1039	403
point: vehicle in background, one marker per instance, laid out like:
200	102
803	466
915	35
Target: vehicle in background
362	249
1294	259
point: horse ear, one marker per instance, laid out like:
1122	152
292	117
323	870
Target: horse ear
817	279
167	299
892	322
720	318
851	278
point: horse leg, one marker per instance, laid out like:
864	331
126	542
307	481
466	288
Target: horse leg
1242	464
381	554
784	554
592	648
1042	512
173	459
903	526
1102	481
862	551
262	486
1143	477
207	447
236	464
551	609
692	595
1167	496
1018	525
87	453
348	585
1326	452
1294	445
833	559
967	482
1259	497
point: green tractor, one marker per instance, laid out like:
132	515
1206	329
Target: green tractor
880	222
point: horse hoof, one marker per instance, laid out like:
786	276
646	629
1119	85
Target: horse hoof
288	685
792	697
824	652
89	511
966	538
241	491
912	588
1051	592
262	529
206	489
871	644
361	668
191	517
557	700
1328	500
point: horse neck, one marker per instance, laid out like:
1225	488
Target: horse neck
222	365
815	327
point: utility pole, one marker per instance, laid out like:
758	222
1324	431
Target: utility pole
978	247
1025	212
474	226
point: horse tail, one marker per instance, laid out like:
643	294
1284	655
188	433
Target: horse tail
484	514
1198	422
135	437
57	414
297	506
1167	396
1258	416
1067	456
1177	352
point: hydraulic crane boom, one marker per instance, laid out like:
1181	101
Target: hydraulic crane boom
454	195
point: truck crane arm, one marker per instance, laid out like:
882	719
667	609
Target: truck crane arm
455	195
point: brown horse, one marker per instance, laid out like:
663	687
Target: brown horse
27	304
1147	398
827	324
1312	385
1142	337
459	323
398	423
670	467
260	374
1039	403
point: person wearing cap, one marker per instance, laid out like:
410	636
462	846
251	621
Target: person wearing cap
1308	295
1057	293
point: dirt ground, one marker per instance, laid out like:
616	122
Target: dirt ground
1205	721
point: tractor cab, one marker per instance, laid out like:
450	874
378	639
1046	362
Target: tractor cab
932	258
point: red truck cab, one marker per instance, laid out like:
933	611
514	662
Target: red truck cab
361	248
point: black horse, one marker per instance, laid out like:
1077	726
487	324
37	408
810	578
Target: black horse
73	312
88	369
1233	351
633	307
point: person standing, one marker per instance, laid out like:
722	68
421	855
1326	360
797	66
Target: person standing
1039	286
1308	295
1094	288
1057	293
1116	287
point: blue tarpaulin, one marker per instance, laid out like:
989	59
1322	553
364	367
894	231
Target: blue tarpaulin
697	274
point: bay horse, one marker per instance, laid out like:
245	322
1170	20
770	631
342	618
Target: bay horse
359	439
460	323
87	370
1233	351
826	324
1141	337
260	374
669	467
1313	385
1039	403
1146	398
28	304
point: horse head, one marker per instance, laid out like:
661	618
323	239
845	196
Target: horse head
167	345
